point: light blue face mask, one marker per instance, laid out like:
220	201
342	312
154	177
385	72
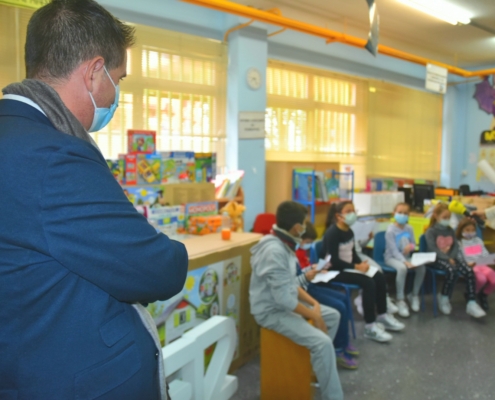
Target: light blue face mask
444	222
103	116
305	246
401	219
350	218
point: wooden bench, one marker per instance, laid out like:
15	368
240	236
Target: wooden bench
286	372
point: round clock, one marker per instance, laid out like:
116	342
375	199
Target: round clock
254	78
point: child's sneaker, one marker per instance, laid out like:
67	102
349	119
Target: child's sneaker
444	304
391	307
390	323
351	350
373	332
358	302
403	309
483	298
414	302
345	361
473	309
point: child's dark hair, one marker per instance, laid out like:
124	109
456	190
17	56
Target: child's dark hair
310	232
290	213
462	225
402	204
335	208
439	209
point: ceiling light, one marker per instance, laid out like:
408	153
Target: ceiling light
440	9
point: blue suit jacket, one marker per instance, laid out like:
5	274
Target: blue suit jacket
74	255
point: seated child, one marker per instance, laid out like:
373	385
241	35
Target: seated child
358	301
280	304
338	242
441	239
400	244
474	248
329	297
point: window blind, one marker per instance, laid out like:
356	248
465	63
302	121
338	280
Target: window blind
405	131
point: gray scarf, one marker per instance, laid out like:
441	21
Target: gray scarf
64	121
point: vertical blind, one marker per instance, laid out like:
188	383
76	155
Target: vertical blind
176	85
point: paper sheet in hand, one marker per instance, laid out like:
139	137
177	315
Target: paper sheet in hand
423	258
325	276
486	260
362	230
372	270
323	263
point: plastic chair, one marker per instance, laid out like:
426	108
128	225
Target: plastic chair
379	252
264	223
347	288
434	272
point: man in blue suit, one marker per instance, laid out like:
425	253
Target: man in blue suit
76	259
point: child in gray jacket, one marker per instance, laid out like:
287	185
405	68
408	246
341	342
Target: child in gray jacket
280	304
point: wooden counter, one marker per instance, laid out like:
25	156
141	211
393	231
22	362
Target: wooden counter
211	249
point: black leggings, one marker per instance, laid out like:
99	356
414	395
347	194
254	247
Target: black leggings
463	270
374	292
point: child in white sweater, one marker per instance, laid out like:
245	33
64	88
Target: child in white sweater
474	248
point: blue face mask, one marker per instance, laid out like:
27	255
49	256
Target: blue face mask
444	222
401	219
350	218
102	116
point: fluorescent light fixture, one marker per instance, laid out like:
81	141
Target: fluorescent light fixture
440	9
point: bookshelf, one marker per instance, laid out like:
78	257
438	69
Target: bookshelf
313	188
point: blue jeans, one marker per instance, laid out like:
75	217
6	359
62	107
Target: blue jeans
334	299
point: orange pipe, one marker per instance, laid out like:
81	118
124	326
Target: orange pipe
236	28
328	34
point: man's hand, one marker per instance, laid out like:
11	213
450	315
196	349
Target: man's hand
310	275
363	267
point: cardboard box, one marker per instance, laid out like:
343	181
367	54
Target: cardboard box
130	169
141	141
204	225
149	169
184	193
117	167
205	167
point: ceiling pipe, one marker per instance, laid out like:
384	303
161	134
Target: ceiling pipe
327	34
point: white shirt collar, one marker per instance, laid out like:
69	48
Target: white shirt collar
24	100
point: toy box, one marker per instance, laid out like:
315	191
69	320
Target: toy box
117	167
146	195
205	165
205	225
148	168
167	219
167	171
184	166
130	169
141	142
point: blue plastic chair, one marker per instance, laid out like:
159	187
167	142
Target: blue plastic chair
347	288
434	272
379	252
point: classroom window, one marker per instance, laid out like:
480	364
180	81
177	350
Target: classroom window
175	84
313	114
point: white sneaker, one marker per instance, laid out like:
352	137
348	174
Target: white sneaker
375	333
358	302
391	307
414	302
403	309
390	323
473	309
444	304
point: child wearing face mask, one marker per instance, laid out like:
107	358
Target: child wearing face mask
474	248
400	244
338	242
441	239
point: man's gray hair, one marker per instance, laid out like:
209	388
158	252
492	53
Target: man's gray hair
64	33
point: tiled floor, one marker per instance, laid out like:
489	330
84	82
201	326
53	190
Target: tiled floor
443	358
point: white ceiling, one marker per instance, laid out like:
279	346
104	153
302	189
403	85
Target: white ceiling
402	27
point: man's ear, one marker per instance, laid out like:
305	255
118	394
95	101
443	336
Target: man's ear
92	69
